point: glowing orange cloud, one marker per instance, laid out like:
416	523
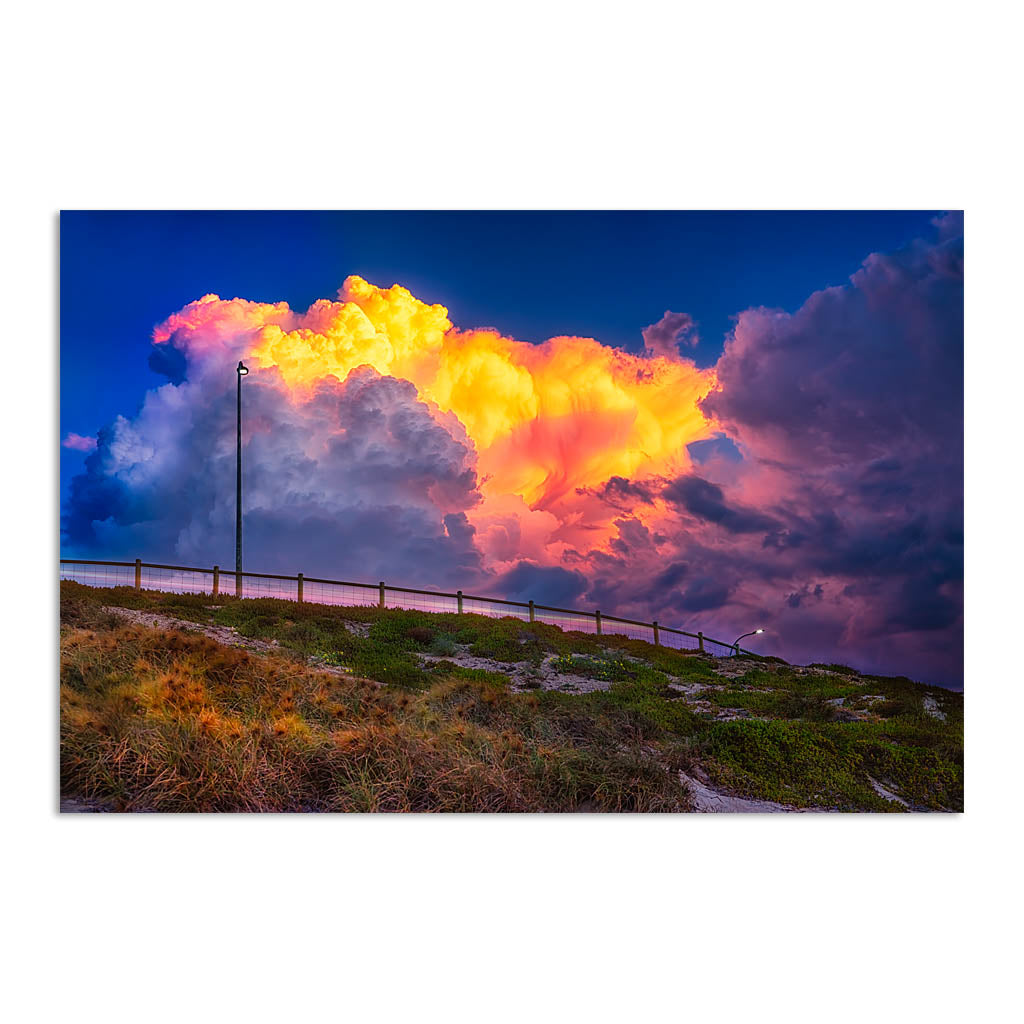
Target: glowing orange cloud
545	419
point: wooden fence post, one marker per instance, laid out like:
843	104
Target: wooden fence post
458	594
533	617
138	573
597	619
700	640
299	598
380	603
655	625
216	580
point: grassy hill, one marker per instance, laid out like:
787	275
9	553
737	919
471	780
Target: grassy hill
195	703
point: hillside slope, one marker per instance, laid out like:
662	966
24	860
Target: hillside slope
195	703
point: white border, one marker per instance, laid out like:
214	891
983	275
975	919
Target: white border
786	105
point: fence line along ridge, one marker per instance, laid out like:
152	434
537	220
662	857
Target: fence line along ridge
314	590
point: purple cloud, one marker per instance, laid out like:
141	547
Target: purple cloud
664	337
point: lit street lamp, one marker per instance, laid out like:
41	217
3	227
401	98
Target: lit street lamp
753	632
241	370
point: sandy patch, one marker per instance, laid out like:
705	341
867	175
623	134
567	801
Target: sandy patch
707	800
523	675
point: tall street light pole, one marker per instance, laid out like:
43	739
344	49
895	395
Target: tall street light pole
753	632
241	371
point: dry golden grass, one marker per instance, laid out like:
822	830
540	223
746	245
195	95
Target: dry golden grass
168	721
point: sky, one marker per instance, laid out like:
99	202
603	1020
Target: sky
720	420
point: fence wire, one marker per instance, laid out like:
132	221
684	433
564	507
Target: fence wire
347	594
569	621
177	581
678	642
422	601
255	586
98	575
181	580
494	609
609	628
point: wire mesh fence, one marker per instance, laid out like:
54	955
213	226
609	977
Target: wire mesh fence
264	586
567	621
99	574
419	600
494	609
351	594
178	579
681	641
635	631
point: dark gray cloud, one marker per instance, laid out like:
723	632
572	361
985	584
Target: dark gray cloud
706	501
703	594
806	592
545	584
671	575
621	493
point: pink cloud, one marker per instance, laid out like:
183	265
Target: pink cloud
78	443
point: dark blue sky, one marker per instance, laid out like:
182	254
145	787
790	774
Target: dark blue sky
533	275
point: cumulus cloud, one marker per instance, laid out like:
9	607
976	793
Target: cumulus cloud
530	424
860	372
358	479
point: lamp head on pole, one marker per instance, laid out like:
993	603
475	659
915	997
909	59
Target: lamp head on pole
242	368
